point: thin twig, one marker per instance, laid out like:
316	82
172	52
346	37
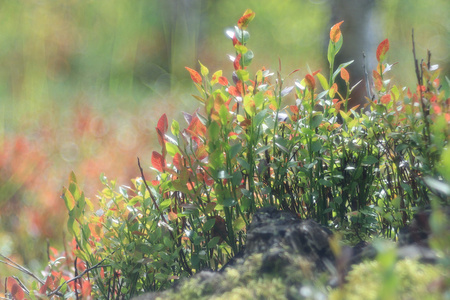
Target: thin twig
24	288
77	277
183	258
150	192
20	268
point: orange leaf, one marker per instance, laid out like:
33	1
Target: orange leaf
333	90
172	216
377	80
310	81
232	90
345	75
194	75
294	109
86	290
383	47
223	80
385	99
246	18
335	32
158	161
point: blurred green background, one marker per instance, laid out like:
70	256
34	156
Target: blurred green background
82	83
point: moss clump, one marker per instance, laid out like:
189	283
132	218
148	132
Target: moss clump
406	279
246	281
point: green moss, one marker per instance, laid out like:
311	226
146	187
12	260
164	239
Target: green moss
246	281
407	279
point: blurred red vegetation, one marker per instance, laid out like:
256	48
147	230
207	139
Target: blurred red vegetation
34	167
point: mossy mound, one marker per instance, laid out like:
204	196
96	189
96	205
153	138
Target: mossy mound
406	279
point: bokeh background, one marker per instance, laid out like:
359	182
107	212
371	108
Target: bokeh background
82	83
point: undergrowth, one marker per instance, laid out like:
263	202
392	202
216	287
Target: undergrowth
254	142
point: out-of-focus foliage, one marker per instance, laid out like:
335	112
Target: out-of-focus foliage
82	81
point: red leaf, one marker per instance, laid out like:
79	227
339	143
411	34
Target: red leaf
15	290
223	80
196	77
48	285
383	47
335	32
345	75
235	41
161	140
163	124
385	99
232	90
138	233
177	161
246	18
158	161
236	64
294	109
310	81
197	127
86	290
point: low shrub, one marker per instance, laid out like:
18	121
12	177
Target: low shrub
254	142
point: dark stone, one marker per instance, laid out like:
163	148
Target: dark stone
279	234
279	243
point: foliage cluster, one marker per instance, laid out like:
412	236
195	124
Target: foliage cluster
363	172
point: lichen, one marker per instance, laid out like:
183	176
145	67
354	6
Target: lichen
408	279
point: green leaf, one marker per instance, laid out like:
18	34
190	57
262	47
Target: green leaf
338	45
172	149
213	242
247	58
262	149
165	204
330	53
227	202
224	114
241	35
369	160
209	224
238	224
316	146
204	70
325	182
243	163
323	81
259	99
401	147
243	75
214	130
234	150
72	226
259	118
237	178
316	120
240	49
